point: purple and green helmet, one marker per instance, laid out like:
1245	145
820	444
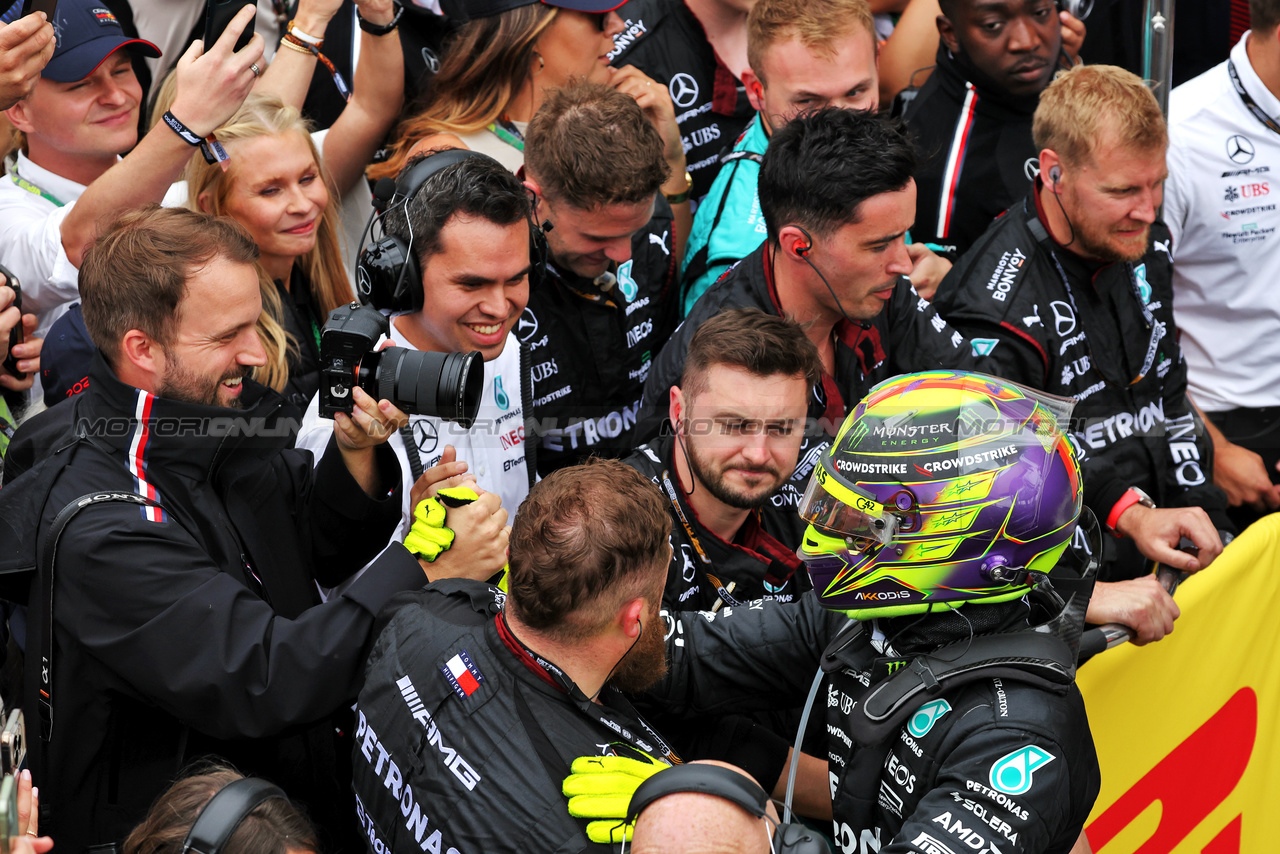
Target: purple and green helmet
941	488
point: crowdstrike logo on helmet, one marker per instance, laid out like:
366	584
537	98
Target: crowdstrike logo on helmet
854	467
968	461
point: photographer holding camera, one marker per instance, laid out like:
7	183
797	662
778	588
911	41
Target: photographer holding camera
453	266
187	539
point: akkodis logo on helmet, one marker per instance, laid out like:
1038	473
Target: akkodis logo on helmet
1011	774
926	716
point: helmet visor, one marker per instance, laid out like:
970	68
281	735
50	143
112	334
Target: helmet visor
838	510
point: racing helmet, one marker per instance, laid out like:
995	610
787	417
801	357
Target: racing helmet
940	488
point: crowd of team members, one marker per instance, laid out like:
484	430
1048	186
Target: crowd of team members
687	237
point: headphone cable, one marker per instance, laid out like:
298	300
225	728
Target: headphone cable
804	256
1057	198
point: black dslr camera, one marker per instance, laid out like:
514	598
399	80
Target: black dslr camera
442	385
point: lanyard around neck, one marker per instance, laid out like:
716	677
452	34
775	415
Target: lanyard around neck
653	745
720	587
505	130
34	190
1250	104
1155	326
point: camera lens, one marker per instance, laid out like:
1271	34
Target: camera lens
441	385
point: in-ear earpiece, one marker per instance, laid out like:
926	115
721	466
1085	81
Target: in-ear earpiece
1055	174
802	251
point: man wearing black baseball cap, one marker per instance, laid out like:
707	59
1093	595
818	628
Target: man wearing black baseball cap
80	117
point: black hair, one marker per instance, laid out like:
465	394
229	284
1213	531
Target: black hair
473	188
823	165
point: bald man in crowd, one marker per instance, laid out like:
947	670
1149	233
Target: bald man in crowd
697	823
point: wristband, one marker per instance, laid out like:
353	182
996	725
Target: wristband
293	42
293	30
209	146
381	29
1132	496
291	46
188	135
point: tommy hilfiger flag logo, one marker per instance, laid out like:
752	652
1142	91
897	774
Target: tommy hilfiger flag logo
462	674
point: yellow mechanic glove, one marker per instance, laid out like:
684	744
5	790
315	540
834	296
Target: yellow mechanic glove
428	537
599	789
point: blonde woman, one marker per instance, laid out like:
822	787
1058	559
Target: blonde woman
285	187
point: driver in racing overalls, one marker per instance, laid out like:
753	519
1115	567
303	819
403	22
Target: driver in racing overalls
947	655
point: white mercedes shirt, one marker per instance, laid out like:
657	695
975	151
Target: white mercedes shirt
1224	167
493	448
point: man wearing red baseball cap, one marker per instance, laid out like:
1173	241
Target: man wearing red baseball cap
77	121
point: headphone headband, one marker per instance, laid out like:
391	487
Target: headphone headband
411	180
225	811
387	273
733	786
704	779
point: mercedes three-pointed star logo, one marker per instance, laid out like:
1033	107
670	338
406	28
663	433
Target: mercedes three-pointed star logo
684	90
1239	149
425	435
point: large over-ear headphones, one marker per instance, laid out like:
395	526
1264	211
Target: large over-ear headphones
387	272
734	787
224	812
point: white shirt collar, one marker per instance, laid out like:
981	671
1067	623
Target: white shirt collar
62	189
1252	83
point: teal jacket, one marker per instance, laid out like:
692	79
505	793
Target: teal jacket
728	225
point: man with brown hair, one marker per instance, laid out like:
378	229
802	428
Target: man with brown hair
739	416
176	614
606	306
1069	291
739	419
475	703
